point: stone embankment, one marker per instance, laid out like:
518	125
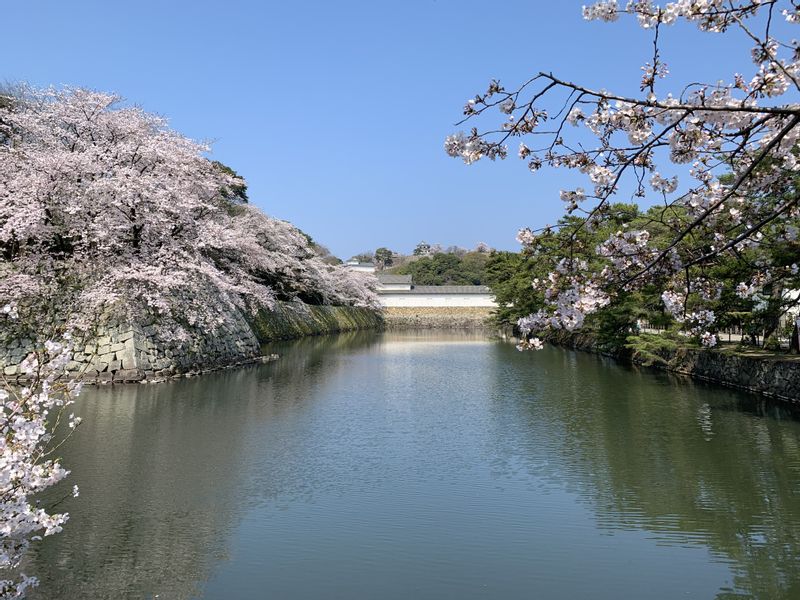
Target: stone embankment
767	374
294	320
454	317
123	352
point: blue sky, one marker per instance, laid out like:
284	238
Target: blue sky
336	112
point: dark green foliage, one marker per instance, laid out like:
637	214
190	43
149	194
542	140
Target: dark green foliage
236	193
383	258
447	269
653	349
509	274
321	251
614	324
288	320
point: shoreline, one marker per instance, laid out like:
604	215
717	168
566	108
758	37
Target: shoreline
771	376
438	317
122	353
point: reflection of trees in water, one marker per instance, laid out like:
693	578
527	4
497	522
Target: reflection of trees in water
167	471
163	474
681	461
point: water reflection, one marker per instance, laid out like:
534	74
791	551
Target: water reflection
163	473
680	461
428	465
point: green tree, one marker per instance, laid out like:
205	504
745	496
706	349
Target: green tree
364	257
769	267
238	192
383	258
447	269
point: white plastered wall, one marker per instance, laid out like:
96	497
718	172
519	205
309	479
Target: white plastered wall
436	300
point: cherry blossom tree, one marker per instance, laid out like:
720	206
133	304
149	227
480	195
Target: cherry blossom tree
105	208
720	158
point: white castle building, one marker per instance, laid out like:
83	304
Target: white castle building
400	291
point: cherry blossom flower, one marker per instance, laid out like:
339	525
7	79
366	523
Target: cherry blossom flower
107	208
736	141
29	433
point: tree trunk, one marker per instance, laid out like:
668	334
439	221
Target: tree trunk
794	344
772	321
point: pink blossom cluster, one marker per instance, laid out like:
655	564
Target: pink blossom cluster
105	201
30	418
722	157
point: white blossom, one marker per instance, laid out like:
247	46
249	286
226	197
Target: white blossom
738	139
661	184
126	190
24	469
709	340
525	237
605	10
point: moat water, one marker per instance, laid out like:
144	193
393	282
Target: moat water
427	465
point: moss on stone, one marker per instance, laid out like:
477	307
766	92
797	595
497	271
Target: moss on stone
755	371
290	320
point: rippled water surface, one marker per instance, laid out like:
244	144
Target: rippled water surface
428	465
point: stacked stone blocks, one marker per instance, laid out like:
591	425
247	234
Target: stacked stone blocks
121	352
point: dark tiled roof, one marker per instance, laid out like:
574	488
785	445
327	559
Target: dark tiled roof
389	278
442	289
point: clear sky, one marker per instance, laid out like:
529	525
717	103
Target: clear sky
336	111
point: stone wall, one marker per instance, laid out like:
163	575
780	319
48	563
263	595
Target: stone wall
292	320
774	376
450	317
123	352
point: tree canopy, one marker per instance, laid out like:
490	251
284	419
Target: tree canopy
719	158
103	206
447	269
520	282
